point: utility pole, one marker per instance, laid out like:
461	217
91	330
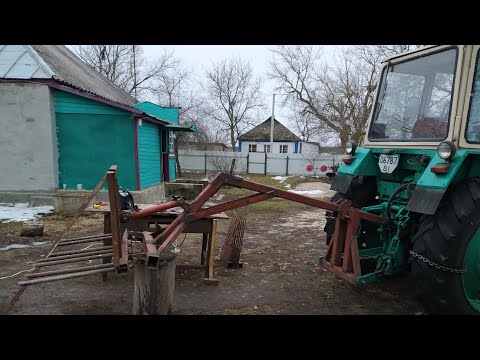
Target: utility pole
272	124
134	72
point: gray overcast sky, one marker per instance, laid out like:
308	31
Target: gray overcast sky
199	56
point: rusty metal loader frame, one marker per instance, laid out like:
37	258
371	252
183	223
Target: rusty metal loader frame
342	256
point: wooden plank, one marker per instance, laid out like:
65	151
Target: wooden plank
203	254
357	269
211	249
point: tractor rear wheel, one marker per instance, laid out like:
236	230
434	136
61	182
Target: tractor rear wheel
450	239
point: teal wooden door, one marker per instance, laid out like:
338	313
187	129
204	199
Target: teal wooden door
149	159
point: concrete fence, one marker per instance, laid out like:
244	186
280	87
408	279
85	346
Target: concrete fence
258	163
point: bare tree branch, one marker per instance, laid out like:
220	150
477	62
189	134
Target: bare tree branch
234	93
125	65
336	96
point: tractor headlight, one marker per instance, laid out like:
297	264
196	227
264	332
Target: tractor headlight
446	150
350	147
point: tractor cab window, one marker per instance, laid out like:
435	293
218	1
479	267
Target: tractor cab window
473	125
414	99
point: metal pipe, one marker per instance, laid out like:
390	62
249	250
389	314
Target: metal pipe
156	208
73	256
60	253
66	261
86	237
66	243
272	124
70	270
64	276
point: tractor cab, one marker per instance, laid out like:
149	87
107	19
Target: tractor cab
419	167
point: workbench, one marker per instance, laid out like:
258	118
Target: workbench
204	226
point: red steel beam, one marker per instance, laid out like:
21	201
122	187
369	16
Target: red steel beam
114	214
242	183
177	230
368	216
207	193
230	205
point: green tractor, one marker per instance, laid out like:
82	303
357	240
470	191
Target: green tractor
419	167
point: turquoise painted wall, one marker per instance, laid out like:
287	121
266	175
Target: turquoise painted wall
149	154
92	136
171	168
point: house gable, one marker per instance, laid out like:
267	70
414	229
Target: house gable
262	133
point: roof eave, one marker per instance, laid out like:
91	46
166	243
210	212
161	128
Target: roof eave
56	85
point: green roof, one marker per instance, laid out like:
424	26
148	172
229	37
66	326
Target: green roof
162	113
262	133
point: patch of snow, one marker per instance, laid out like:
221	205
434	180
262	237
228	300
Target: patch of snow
39	243
22	246
307	192
288	186
21	212
281	179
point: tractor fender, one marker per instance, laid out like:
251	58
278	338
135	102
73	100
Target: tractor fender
430	187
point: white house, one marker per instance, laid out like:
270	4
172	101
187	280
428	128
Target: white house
284	141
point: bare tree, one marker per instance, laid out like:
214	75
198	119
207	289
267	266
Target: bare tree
125	65
338	95
176	87
309	128
234	94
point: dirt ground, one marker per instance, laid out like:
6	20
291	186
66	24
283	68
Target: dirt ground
280	275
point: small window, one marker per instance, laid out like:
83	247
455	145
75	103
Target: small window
252	148
283	149
171	139
266	148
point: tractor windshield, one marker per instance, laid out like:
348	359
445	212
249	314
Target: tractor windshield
415	98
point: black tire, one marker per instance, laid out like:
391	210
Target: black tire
443	238
362	192
329	227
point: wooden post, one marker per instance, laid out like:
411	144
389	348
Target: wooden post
107	229
203	255
205	162
286	171
210	254
248	159
154	288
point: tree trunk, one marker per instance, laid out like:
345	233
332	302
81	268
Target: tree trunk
232	139
32	228
344	137
154	288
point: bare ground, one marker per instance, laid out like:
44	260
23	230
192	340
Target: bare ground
280	273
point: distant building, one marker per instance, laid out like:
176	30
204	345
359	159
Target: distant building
202	146
284	141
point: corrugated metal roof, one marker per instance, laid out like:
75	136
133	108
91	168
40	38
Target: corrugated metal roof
262	133
21	62
61	64
70	69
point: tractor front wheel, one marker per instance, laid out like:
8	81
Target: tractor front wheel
445	259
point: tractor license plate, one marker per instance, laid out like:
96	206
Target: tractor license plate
388	163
